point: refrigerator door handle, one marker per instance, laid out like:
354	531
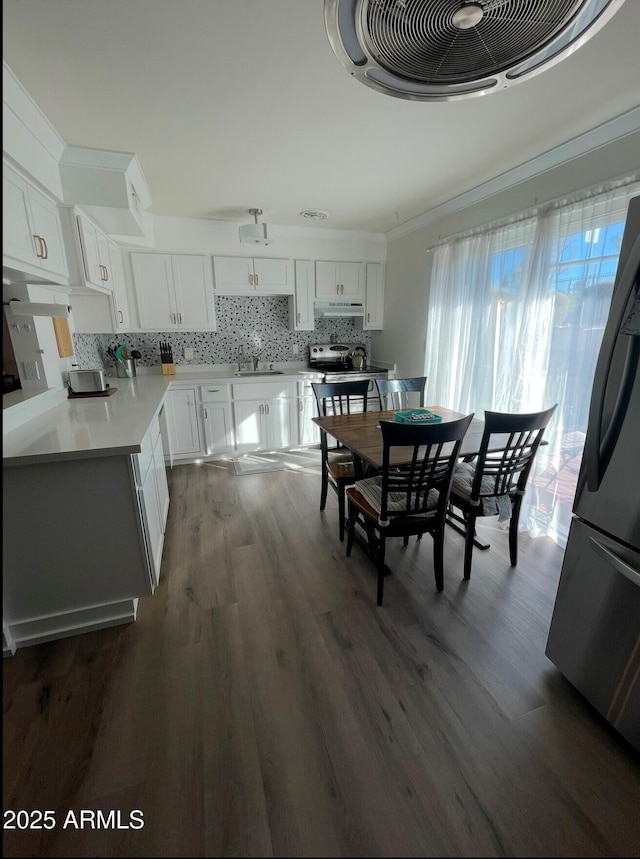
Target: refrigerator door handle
599	445
617	563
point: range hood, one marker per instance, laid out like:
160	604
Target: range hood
344	309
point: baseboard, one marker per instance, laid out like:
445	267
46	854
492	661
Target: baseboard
37	630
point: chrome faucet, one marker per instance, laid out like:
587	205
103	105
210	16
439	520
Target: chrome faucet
241	357
256	360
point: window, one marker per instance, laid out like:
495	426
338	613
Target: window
516	317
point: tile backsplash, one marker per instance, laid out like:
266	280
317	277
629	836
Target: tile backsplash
260	324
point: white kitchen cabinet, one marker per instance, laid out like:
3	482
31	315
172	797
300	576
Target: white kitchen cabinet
120	298
154	496
98	312
91	562
301	302
217	420
338	280
174	292
182	423
308	431
96	260
253	276
264	415
31	232
374	296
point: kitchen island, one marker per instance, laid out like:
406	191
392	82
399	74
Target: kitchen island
86	501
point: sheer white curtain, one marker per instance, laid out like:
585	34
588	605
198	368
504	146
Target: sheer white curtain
516	316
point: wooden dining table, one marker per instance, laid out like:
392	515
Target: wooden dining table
360	433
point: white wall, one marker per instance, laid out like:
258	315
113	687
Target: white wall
408	266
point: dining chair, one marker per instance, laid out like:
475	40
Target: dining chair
338	398
393	392
495	481
409	496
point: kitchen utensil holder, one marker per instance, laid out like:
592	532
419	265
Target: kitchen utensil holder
168	369
126	368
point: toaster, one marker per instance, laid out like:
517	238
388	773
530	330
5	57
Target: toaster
87	381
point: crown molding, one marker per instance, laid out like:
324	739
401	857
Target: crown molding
608	132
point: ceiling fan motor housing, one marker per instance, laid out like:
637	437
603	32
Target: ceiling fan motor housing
439	50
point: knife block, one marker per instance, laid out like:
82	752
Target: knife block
168	369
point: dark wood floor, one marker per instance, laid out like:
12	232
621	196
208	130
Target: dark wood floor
263	705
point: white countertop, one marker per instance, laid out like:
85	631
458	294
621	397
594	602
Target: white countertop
108	426
90	426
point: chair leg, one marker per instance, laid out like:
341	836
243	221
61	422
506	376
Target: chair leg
353	515
325	486
381	549
341	512
468	543
513	530
405	539
438	558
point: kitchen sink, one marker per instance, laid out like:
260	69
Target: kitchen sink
258	373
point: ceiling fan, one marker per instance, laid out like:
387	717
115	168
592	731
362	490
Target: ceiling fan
439	50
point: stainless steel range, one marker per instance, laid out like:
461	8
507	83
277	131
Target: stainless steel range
342	362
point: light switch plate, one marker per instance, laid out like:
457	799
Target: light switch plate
188	354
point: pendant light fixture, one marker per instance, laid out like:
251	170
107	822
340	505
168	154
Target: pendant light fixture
255	234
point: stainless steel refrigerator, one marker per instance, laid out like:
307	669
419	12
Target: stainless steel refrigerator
594	637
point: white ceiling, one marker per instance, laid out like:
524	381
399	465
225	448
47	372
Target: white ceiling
233	104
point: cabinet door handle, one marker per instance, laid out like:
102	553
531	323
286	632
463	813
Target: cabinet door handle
261	409
106	273
213	390
121	320
205	414
267	408
180	318
39	249
298	317
368	317
251	280
46	249
255	278
173	318
337	289
300	405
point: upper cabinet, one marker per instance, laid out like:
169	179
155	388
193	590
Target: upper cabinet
33	244
374	296
253	276
95	254
174	291
110	186
301	302
340	280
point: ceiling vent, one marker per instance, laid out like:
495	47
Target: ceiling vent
255	234
314	214
439	50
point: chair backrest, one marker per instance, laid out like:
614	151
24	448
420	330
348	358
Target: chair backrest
393	392
509	444
341	398
427	467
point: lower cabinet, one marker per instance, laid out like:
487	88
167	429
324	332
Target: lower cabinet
94	556
264	416
216	418
182	423
153	489
308	431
